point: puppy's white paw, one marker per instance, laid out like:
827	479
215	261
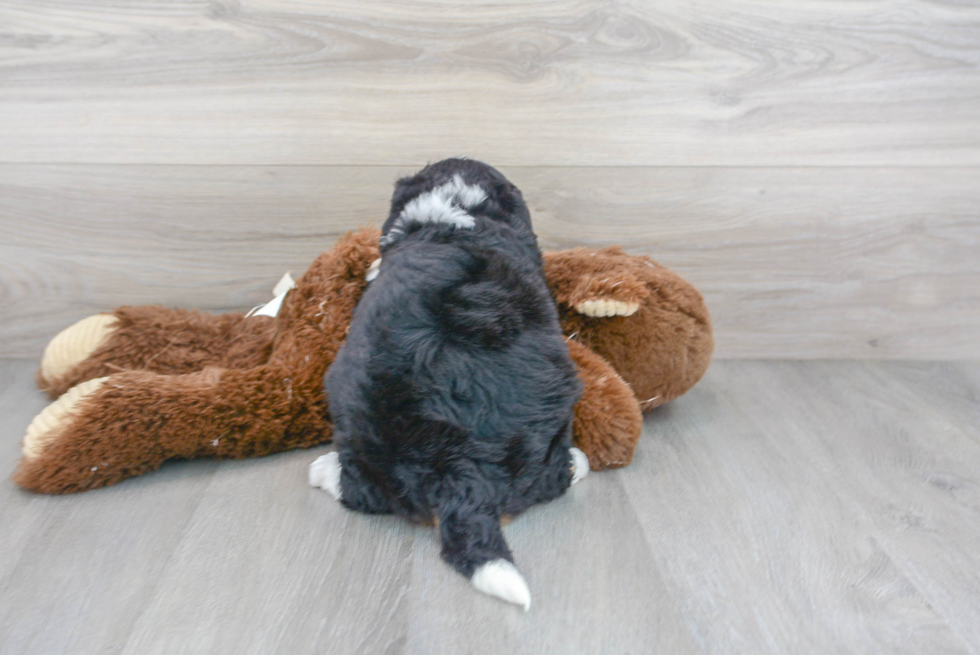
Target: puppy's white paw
500	578
580	464
325	474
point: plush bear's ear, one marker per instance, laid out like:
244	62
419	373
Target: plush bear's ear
608	295
596	282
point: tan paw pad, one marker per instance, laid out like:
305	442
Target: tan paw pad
44	428
605	308
74	344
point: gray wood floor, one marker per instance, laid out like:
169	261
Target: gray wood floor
804	507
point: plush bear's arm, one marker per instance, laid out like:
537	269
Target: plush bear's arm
152	338
607	421
110	429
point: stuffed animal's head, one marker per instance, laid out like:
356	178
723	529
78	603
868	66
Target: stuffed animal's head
647	322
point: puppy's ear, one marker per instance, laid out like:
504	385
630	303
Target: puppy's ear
507	201
405	189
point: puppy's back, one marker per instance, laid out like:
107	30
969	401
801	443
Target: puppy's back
471	333
452	396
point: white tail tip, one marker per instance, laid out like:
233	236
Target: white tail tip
325	474
580	465
500	578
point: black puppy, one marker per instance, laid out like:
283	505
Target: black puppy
452	396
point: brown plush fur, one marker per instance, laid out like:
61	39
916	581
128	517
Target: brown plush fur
171	342
139	418
607	421
185	384
663	349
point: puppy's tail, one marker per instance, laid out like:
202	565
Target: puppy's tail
473	543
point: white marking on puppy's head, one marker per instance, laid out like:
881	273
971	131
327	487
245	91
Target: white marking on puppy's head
436	207
447	203
500	578
467	196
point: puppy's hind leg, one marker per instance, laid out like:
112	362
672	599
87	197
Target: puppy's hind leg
563	466
345	480
580	464
324	473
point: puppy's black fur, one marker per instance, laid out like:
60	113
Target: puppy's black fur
452	396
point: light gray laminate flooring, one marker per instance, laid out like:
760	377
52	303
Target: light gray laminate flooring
779	507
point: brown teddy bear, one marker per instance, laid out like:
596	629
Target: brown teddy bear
141	385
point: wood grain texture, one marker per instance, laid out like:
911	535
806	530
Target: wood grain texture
261	563
763	553
889	454
804	507
563	82
811	167
76	572
79	240
595	581
951	389
795	263
268	558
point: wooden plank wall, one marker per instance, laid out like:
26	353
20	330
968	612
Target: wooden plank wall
813	167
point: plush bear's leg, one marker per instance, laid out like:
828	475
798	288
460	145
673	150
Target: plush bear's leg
557	473
46	425
72	346
608	421
132	422
169	341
